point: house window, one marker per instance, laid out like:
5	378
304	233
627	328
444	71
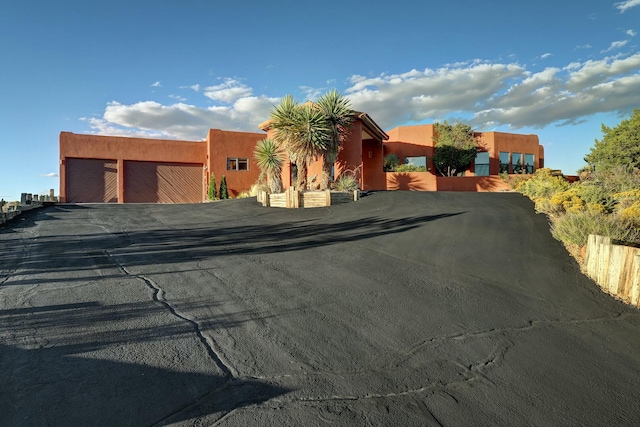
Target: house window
504	162
237	164
415	164
528	163
516	162
482	164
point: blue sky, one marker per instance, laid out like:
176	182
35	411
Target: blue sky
175	68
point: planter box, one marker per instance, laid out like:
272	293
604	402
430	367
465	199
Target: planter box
306	199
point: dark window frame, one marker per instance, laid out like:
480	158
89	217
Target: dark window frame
236	164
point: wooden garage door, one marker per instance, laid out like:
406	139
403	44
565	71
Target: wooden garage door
156	182
92	181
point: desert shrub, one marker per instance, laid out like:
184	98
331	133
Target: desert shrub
257	187
575	227
346	182
514	181
542	184
409	168
593	192
568	200
628	206
632	214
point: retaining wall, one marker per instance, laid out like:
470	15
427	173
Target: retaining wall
615	268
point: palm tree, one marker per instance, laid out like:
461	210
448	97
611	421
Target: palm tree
302	130
338	116
269	157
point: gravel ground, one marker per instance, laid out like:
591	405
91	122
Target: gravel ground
403	308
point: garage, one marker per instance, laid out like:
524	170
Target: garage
92	180
162	182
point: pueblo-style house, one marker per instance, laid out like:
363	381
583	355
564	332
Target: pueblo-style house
114	169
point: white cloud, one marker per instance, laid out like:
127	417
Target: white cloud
150	119
626	5
489	95
178	98
584	46
228	91
311	93
631	33
545	55
615	45
50	175
156	84
195	87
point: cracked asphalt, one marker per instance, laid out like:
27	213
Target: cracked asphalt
404	308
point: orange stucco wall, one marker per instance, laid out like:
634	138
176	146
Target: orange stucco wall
124	148
227	144
211	153
363	157
418	141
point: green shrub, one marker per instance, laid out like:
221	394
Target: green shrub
243	195
542	184
224	192
575	227
410	168
212	188
391	161
593	193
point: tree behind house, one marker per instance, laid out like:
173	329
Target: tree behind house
619	146
456	148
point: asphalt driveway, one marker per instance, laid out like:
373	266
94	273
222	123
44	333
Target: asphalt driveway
403	308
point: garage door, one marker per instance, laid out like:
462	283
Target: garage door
159	182
92	181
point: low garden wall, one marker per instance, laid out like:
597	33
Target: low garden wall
426	181
615	268
306	199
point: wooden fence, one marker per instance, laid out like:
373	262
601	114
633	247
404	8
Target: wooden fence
616	268
307	199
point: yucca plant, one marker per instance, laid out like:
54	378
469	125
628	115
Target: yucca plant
338	115
269	158
302	130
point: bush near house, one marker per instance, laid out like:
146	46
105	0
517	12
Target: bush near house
606	200
224	192
212	188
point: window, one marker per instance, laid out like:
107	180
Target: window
417	161
504	162
482	164
516	162
237	164
413	164
528	163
